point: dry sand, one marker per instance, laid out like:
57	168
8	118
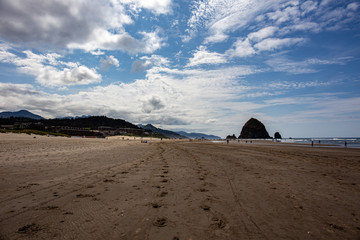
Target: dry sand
62	188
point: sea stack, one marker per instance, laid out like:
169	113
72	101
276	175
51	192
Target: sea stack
277	135
254	129
233	137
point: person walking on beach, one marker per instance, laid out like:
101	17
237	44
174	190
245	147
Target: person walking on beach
312	143
345	144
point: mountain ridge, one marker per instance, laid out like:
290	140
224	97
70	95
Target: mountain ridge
198	135
21	113
167	133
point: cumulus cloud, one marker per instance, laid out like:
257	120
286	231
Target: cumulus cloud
245	47
203	56
105	40
25	96
241	48
49	71
78	24
139	66
109	61
152	104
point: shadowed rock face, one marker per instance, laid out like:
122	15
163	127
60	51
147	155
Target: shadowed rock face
254	129
277	135
231	137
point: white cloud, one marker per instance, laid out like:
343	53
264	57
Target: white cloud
145	62
203	56
155	6
222	17
103	39
283	64
290	13
270	44
245	47
298	85
97	52
91	26
49	71
263	33
353	6
308	6
109	61
241	48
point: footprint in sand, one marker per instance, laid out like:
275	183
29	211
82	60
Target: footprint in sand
84	195
51	207
29	228
163	194
205	207
160	222
156	205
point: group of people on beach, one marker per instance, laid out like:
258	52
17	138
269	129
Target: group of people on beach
312	143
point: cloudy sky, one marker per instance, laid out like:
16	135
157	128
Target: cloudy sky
199	66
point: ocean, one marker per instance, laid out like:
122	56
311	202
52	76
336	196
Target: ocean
337	142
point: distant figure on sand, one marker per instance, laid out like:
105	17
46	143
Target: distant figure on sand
345	144
227	141
312	143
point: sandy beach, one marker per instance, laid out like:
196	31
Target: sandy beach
68	188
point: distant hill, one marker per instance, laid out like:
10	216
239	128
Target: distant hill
166	133
198	135
20	114
93	122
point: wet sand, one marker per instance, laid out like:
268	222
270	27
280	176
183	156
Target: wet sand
62	188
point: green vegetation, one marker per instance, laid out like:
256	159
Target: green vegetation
31	131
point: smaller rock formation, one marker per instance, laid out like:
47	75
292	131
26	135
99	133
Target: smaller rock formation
254	129
231	137
277	135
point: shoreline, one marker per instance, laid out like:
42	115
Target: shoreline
300	144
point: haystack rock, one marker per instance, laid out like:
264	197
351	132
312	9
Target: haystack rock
254	129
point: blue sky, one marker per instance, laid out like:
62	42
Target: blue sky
199	66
